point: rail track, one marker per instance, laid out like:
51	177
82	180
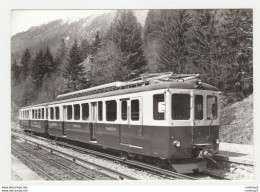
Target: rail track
208	173
116	175
131	163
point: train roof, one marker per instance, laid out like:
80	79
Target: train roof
165	85
119	88
37	105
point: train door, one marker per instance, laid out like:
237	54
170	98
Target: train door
63	116
136	122
93	121
124	121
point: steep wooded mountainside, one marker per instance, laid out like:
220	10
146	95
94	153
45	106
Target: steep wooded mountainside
39	37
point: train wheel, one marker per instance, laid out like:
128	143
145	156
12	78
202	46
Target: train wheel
123	155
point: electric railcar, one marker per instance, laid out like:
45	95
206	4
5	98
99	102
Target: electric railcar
172	119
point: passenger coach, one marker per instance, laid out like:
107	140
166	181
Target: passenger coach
172	119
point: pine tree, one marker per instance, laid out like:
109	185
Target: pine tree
75	71
126	33
25	63
238	37
38	69
204	49
16	72
85	48
95	45
61	56
152	37
108	65
175	36
49	62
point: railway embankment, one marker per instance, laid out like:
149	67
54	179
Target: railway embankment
236	122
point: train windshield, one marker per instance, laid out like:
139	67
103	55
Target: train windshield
198	107
180	106
212	107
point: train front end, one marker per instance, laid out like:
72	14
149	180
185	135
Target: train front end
194	132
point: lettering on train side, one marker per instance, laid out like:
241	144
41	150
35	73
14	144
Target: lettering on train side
55	124
75	126
110	128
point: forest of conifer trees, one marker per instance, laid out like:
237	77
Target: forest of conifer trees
218	44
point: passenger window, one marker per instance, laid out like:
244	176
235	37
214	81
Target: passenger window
158	114
47	113
100	111
39	113
57	113
135	110
111	110
212	107
69	112
76	112
36	113
33	113
85	111
51	113
198	107
124	110
42	113
180	106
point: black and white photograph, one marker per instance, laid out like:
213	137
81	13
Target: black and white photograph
125	95
160	94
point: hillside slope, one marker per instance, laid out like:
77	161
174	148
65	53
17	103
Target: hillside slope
39	37
236	122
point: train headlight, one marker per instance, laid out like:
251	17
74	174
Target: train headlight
177	143
198	82
217	141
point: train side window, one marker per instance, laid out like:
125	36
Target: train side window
158	114
85	111
32	113
36	113
76	112
212	107
124	110
111	110
47	113
39	113
100	111
69	112
180	106
42	113
135	110
57	113
198	107
51	113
